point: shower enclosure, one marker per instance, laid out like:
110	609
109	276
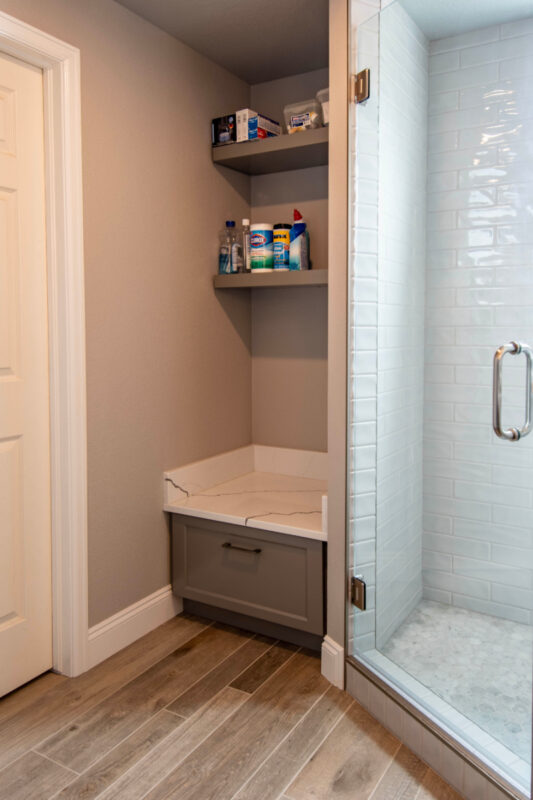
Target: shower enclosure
441	320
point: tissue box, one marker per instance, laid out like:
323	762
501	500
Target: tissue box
251	125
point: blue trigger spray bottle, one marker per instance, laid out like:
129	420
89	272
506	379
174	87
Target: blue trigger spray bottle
299	243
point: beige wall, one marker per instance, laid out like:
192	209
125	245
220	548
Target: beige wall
168	362
290	370
289	340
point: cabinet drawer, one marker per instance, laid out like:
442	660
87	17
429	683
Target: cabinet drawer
265	575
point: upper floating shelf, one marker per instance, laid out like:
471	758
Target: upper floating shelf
277	154
264	280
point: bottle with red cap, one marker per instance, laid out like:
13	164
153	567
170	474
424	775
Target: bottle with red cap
299	243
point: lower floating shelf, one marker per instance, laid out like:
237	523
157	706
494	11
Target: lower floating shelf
264	280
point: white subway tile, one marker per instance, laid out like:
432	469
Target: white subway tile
486	492
441	181
445	101
509	595
497	573
497	51
516	67
462	199
520	537
432	522
445	140
460	79
459	584
444	62
464	118
521	27
445	240
487	607
512	556
478	36
496	215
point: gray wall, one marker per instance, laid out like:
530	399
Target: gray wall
168	362
289	327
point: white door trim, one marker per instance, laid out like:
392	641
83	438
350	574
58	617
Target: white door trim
60	63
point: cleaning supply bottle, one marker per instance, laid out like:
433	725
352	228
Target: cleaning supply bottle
245	234
299	243
237	260
224	251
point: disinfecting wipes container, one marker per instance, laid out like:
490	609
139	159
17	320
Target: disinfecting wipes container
261	247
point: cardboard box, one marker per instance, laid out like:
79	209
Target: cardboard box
251	125
223	130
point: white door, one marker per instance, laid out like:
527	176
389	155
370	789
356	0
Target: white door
25	528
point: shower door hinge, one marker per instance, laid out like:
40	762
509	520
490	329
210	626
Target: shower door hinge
360	86
358	592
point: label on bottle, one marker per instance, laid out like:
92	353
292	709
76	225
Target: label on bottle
224	261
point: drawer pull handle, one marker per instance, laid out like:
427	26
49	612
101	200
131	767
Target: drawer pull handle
244	549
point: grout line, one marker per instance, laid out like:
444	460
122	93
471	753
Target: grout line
118	689
122	741
391	762
57	763
424	776
217	666
273	752
174	714
210	733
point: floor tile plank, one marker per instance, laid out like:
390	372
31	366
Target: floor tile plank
264	667
402	779
32	777
46	715
160	762
14	702
277	772
90	736
434	788
112	766
220	766
207	687
349	763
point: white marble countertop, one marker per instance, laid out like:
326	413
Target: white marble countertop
270	501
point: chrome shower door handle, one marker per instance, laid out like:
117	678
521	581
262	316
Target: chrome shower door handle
511	434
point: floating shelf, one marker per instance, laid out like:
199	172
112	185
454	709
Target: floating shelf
277	154
264	280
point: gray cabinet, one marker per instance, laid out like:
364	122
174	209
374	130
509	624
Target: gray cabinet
261	574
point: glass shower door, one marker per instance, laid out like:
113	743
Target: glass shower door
441	279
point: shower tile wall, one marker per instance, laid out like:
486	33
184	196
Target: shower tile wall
478	490
388	412
363	331
401	271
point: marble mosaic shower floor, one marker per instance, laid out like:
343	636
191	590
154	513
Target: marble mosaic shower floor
480	665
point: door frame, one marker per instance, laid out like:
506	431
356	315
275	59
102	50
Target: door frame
60	63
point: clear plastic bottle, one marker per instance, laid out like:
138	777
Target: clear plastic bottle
245	237
227	237
237	251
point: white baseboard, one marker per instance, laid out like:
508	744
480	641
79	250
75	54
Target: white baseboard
128	625
332	663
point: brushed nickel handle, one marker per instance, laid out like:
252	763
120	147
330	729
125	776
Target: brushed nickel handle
244	549
511	434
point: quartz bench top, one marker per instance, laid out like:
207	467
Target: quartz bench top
265	500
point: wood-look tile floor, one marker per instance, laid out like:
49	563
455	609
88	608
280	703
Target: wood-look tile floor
200	711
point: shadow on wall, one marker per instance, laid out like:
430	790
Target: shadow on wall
290	323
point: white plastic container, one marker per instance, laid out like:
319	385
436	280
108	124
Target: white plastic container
302	116
323	98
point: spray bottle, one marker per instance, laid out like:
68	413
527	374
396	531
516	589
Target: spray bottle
299	244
